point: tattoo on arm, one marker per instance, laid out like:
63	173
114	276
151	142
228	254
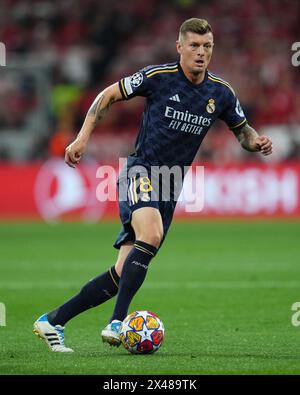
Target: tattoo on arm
99	108
97	101
246	136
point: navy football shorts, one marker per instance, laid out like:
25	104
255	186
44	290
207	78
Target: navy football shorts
137	192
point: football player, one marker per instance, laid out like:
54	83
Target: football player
183	99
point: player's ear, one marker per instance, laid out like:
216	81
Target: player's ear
178	47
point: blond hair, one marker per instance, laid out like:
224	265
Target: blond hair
194	25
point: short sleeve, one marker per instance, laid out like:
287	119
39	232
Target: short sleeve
233	114
135	85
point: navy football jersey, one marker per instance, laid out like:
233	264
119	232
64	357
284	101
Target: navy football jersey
178	113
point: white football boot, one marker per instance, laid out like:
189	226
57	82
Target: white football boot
111	333
52	335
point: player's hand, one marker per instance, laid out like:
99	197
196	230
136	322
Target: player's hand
264	145
74	152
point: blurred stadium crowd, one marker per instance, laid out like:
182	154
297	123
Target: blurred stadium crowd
60	54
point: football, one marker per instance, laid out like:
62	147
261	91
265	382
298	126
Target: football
142	332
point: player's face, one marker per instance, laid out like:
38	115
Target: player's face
195	51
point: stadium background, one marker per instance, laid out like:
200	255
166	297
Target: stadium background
59	55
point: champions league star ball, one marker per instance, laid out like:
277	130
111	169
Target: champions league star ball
142	332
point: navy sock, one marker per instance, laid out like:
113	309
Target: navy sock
95	292
133	275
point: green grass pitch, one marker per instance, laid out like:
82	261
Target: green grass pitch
224	291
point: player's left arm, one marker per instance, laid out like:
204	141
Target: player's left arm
251	141
234	117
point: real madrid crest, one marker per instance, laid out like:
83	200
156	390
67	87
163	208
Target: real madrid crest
210	107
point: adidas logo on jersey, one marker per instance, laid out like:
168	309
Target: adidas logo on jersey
175	98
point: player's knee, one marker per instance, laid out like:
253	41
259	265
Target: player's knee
152	237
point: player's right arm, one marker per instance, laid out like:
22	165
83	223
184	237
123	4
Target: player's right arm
96	112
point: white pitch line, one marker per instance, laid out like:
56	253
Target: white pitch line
225	285
24	285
